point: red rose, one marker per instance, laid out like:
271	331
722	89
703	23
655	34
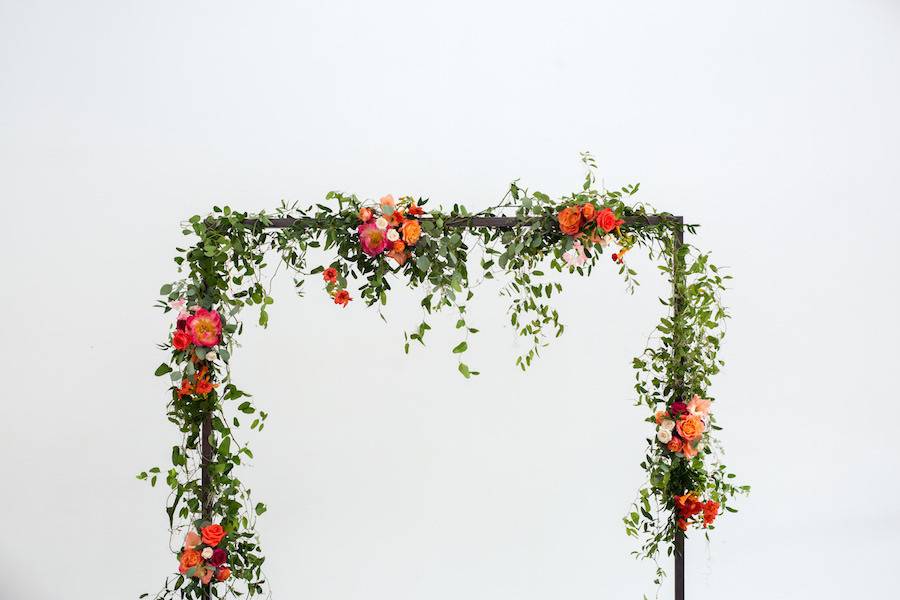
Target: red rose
218	558
212	534
607	221
678	408
181	340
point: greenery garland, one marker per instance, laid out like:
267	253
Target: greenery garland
375	245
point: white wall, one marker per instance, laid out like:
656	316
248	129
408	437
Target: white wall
774	124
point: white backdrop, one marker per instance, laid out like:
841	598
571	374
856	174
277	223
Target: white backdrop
774	124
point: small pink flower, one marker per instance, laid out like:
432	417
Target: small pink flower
578	258
207	553
372	239
191	540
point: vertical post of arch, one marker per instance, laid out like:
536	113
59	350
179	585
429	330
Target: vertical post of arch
678	277
206	456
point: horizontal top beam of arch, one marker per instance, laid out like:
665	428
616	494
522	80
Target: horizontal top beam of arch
490	222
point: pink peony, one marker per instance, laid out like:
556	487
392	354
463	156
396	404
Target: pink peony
205	327
372	239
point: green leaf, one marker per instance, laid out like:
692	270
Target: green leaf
162	370
460	348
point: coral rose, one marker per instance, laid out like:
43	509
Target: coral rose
365	214
607	221
205	327
690	427
181	340
569	220
212	534
674	445
411	230
372	239
223	574
330	275
188	560
588	211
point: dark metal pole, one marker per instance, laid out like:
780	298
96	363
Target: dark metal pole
679	565
206	455
678	277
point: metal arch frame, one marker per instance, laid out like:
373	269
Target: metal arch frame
677	222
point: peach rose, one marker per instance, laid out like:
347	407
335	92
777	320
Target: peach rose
387	201
188	560
660	415
411	232
365	214
191	540
569	220
690	427
212	534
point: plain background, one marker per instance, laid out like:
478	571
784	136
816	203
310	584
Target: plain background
774	124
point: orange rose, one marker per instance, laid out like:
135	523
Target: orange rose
569	220
411	231
223	574
398	246
188	560
660	415
674	445
690	427
588	211
607	221
365	214
212	534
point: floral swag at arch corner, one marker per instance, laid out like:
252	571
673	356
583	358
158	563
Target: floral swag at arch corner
211	516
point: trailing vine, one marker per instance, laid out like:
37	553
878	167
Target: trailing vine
444	255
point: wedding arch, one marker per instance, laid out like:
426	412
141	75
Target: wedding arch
373	244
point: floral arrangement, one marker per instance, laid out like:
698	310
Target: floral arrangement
443	256
203	555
